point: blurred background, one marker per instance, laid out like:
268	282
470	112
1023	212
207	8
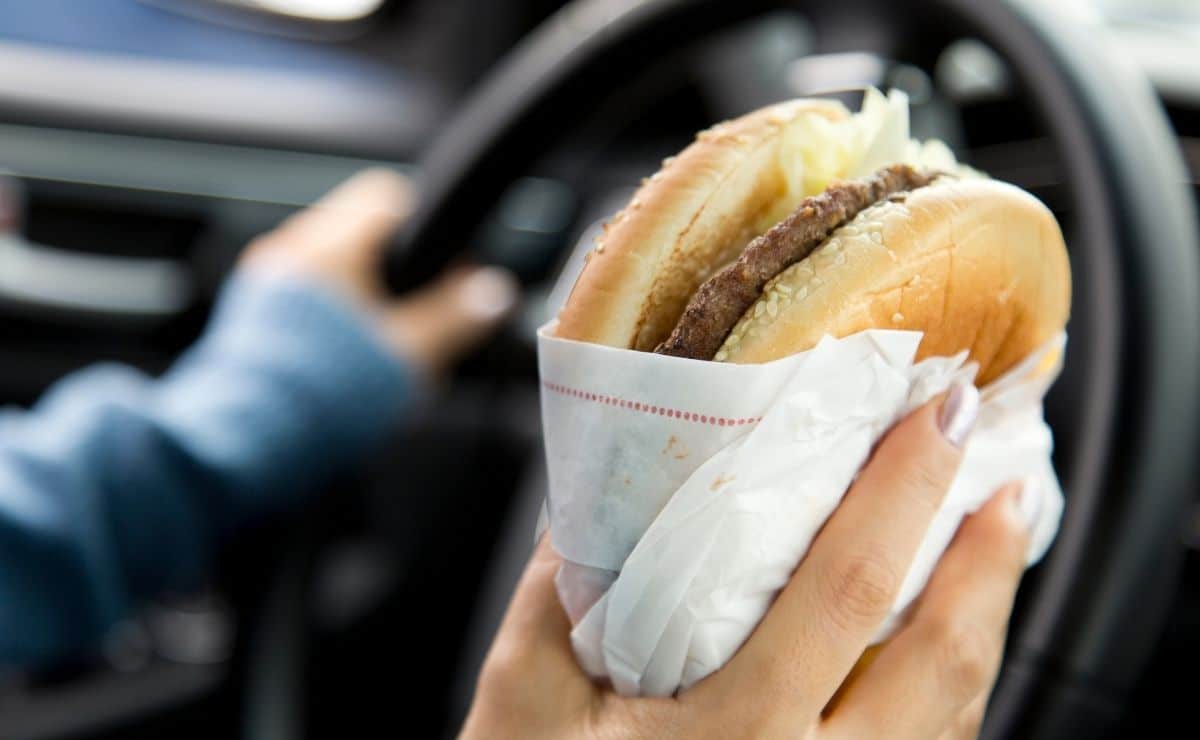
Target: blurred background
142	144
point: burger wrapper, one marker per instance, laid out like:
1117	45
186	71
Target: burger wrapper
682	494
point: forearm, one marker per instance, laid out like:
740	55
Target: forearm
116	486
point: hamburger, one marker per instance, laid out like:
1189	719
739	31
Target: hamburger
802	220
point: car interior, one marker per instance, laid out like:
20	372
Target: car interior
144	143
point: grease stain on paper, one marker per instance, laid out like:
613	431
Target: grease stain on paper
721	480
675	448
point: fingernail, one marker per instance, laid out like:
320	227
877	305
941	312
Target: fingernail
959	412
1029	501
488	293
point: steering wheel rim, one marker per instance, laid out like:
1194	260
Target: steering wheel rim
1085	640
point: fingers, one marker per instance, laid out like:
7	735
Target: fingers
337	242
826	615
946	658
375	188
361	214
436	324
341	235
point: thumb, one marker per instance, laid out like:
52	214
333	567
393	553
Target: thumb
535	619
441	321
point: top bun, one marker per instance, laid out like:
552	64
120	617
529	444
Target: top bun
976	265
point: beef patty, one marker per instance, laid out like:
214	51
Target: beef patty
721	301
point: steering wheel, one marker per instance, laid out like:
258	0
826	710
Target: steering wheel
1129	399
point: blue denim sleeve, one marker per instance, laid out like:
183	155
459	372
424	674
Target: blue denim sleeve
116	486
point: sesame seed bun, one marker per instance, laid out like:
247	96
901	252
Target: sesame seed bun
976	265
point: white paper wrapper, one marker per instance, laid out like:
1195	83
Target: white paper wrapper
684	493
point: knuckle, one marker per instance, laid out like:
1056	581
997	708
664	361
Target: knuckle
860	588
924	478
966	657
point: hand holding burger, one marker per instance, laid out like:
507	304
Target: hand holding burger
793	223
931	680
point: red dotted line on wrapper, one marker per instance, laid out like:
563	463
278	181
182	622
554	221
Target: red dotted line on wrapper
647	408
